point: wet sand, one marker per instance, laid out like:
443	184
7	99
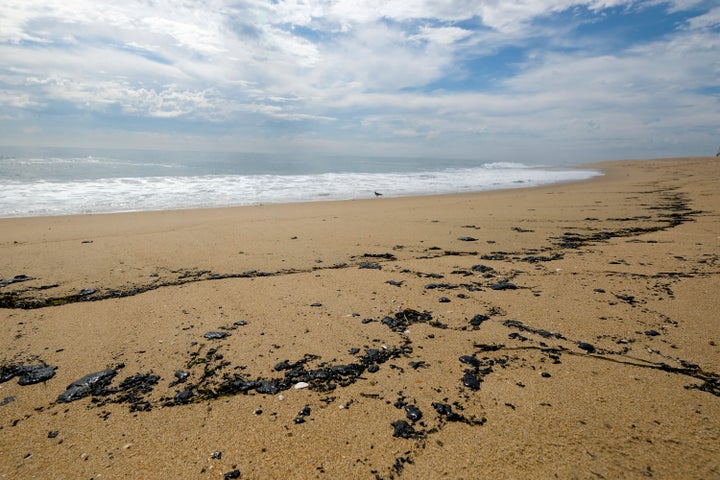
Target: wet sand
567	331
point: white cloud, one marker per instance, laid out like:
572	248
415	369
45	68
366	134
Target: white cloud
443	35
12	99
203	34
276	111
379	57
364	67
711	19
678	5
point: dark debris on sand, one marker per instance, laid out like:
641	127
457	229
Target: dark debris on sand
210	376
27	374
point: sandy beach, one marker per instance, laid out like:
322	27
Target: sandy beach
568	331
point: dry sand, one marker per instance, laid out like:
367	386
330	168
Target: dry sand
603	362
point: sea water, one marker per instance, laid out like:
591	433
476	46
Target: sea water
59	181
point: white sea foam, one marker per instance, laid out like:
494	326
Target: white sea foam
20	198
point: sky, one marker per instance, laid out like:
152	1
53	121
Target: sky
551	80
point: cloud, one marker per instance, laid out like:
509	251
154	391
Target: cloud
11	99
449	76
442	35
708	20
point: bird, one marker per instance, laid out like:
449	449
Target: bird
378	194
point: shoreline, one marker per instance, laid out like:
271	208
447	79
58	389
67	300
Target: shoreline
566	329
598	166
229	209
322	200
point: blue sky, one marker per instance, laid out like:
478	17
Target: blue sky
553	80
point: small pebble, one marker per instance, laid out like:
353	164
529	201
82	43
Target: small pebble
470	360
215	335
471	381
413	413
503	286
402	429
478	319
301	385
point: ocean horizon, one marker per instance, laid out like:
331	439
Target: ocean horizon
66	181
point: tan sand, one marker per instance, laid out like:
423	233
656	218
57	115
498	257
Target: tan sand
602	363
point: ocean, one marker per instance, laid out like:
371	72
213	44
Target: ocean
63	181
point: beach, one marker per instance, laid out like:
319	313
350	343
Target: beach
563	331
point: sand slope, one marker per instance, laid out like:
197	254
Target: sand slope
569	331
